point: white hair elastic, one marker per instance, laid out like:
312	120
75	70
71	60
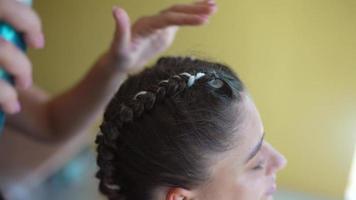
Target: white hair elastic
113	187
163	81
192	78
140	93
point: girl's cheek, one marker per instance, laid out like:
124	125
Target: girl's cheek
251	186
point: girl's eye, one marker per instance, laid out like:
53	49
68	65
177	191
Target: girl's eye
259	166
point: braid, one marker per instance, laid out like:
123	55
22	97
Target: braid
109	141
122	177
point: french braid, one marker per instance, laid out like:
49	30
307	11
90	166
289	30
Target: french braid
113	183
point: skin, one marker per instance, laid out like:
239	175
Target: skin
233	175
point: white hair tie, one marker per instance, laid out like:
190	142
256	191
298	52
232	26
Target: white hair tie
192	78
113	187
163	81
139	93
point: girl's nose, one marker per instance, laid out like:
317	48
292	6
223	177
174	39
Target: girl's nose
277	161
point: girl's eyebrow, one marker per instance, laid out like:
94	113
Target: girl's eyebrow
256	149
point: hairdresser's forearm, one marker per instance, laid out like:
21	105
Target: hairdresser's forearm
78	108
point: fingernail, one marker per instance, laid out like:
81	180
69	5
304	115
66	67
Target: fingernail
115	11
28	84
212	4
204	21
114	8
23	84
204	17
214	8
40	41
16	108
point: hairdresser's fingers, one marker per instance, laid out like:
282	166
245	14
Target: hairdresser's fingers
148	25
123	28
24	19
205	2
16	63
198	9
8	98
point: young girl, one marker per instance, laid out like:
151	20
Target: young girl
185	129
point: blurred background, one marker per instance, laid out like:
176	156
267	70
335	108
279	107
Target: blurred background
297	58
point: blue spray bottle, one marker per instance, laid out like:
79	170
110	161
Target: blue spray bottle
8	33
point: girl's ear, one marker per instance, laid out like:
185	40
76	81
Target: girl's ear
179	194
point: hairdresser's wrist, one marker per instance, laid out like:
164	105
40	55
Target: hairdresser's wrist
123	63
108	65
114	63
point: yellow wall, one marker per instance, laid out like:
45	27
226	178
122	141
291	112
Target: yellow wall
296	56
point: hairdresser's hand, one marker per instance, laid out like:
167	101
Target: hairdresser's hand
134	45
12	60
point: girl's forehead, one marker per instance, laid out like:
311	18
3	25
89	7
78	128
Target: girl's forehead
249	128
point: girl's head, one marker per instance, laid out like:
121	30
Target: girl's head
185	129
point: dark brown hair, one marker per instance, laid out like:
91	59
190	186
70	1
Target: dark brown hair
165	135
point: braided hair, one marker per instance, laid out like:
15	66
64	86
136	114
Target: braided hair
161	126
